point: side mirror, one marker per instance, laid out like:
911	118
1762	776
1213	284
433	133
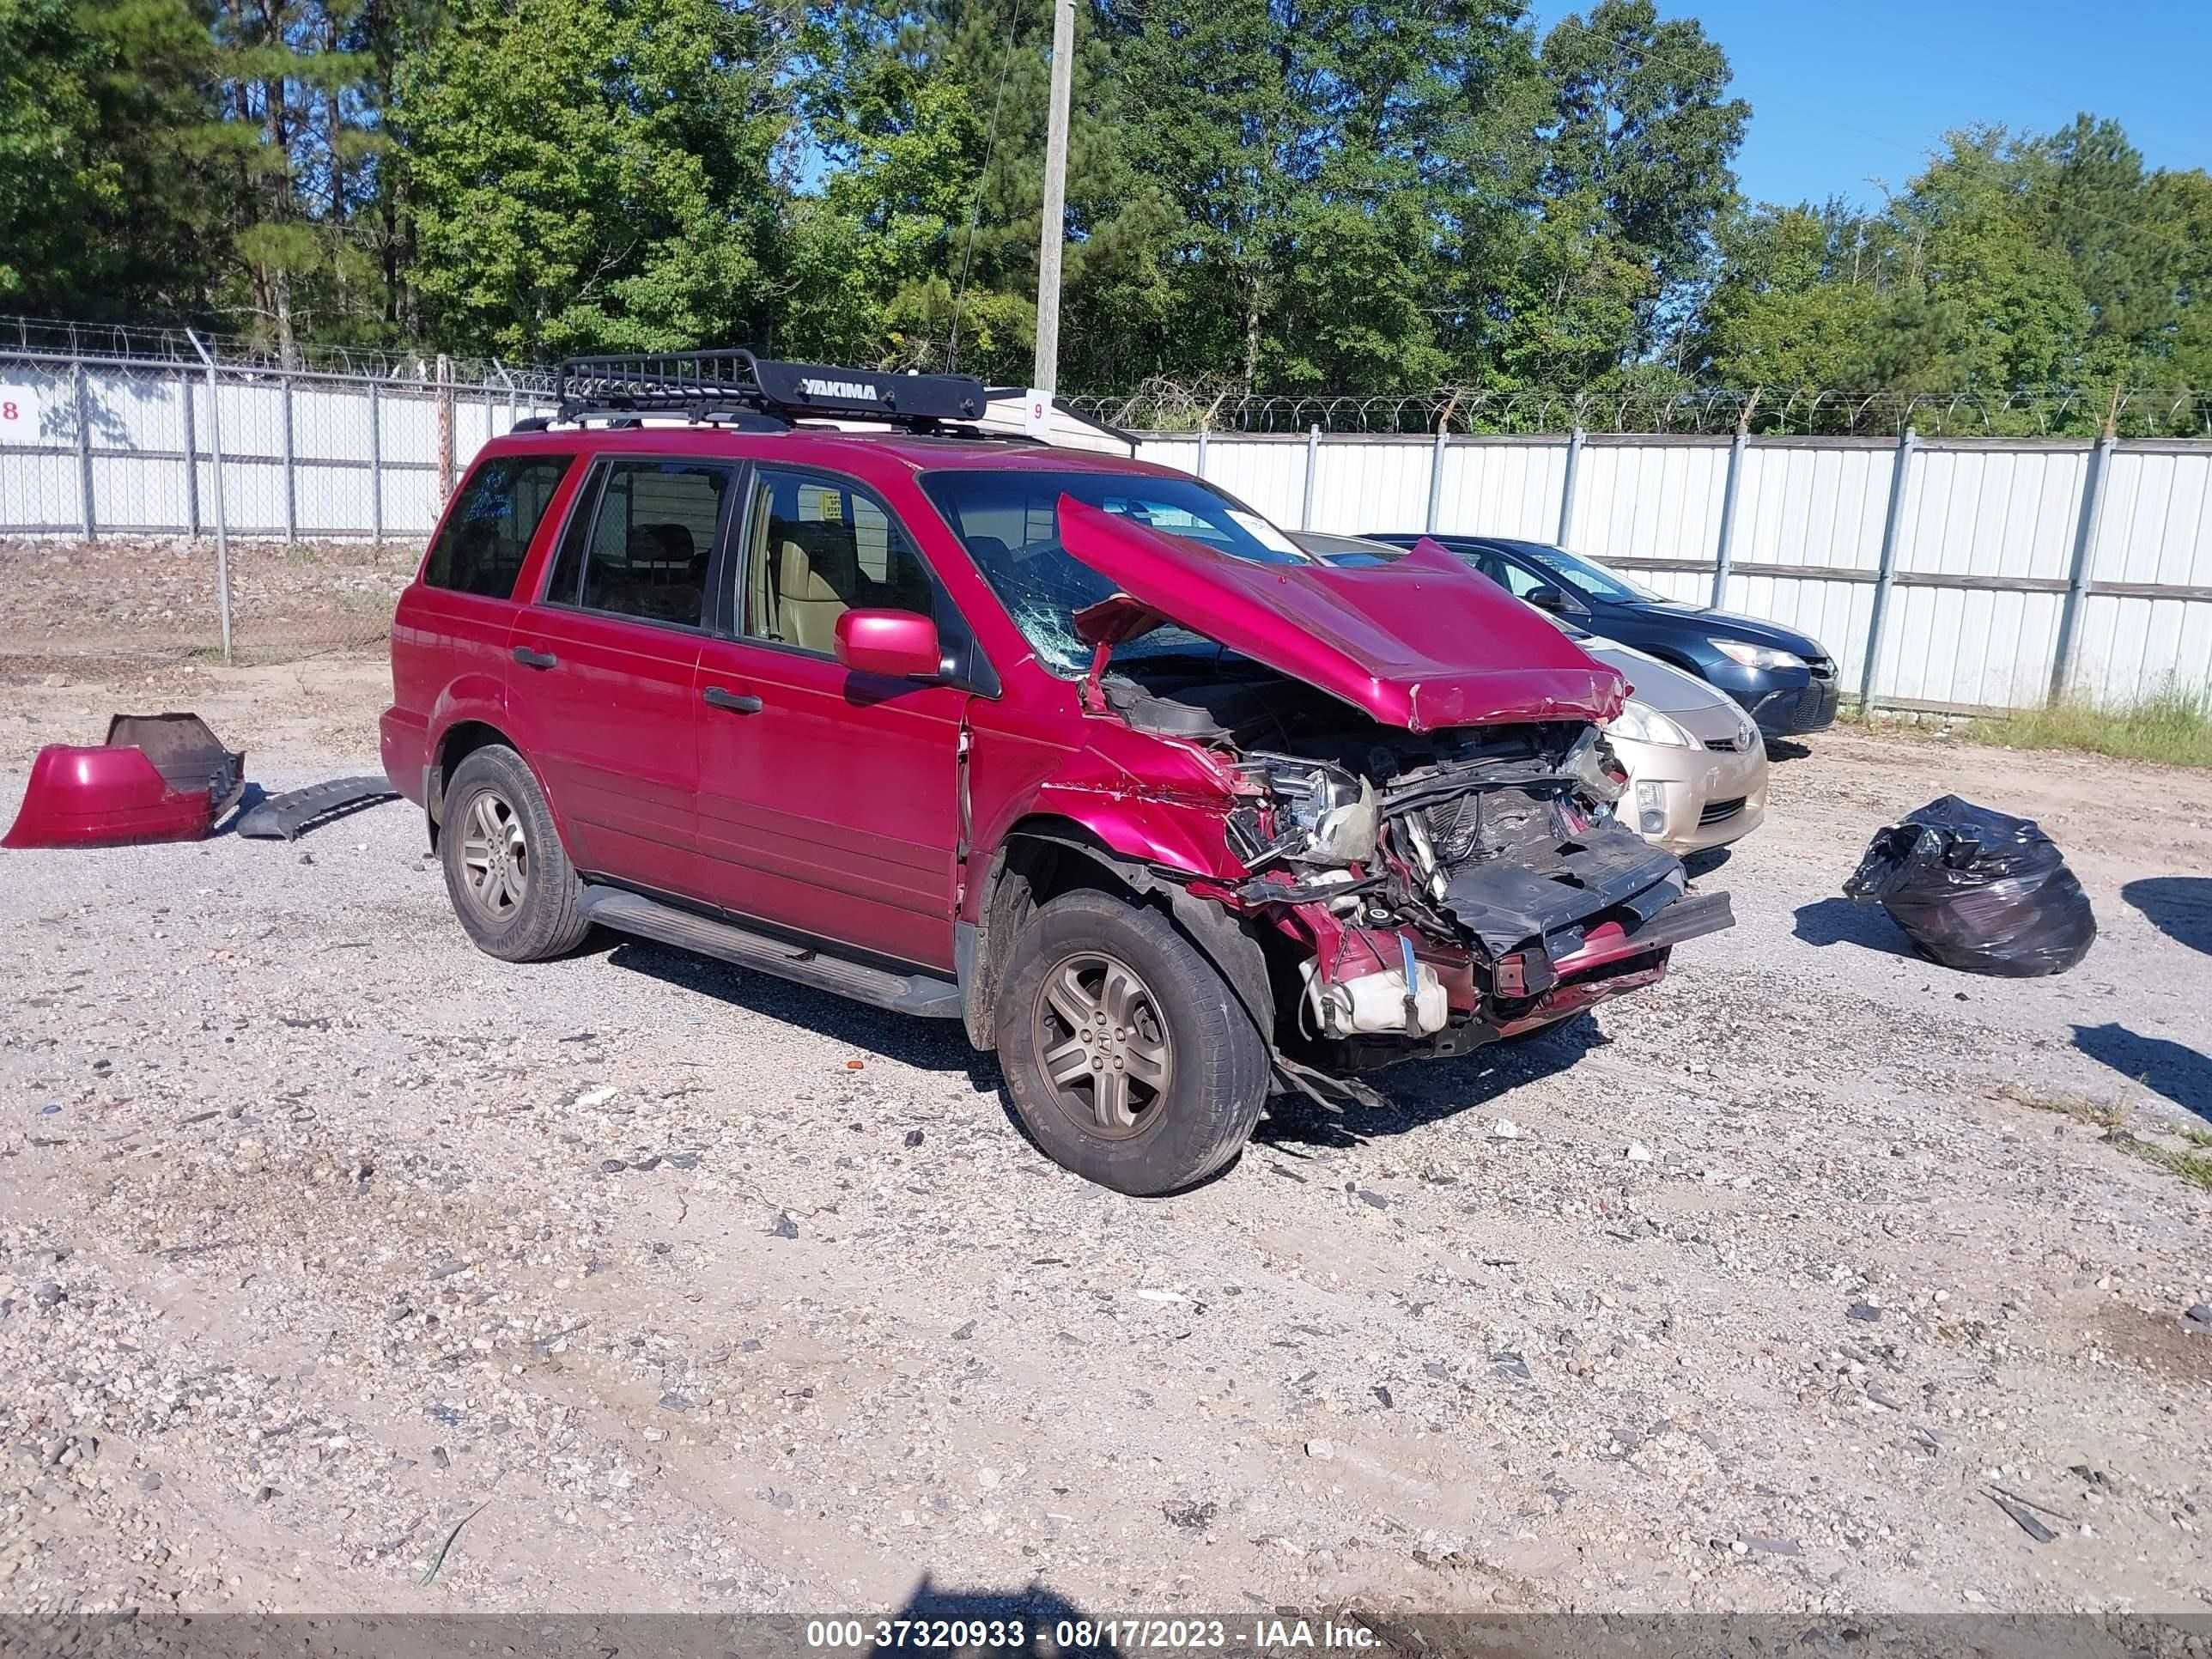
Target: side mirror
898	644
1546	598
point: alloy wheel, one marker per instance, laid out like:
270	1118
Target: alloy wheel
1102	1043
495	855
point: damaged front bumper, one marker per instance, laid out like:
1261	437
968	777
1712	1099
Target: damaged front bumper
1475	902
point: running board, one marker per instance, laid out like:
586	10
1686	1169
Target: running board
906	993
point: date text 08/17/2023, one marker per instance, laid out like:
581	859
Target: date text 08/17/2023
1250	1634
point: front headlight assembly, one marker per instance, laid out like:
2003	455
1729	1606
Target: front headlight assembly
1756	656
1324	815
1641	723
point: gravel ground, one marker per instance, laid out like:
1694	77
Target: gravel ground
322	1235
106	605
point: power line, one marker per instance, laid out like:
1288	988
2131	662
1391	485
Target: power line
975	202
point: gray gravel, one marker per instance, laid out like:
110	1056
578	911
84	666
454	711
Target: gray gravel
676	1287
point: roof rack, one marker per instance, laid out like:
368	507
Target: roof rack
735	388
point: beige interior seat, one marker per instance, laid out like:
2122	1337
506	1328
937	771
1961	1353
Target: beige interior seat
807	602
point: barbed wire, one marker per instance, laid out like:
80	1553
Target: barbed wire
1166	405
39	336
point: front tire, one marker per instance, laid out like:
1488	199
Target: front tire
509	877
1128	1057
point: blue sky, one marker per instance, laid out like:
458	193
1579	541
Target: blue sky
1844	94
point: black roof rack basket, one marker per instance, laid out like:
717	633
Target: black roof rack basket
721	386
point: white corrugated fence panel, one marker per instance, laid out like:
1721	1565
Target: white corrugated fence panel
1797	505
411	501
2131	647
330	423
1267	474
1980	513
1367	485
136	493
1500	488
135	411
1685	586
1992	513
253	416
1834	613
2156	522
474	425
39	493
1181	453
410	425
1968	645
1648	501
333	500
37	405
2155	526
253	495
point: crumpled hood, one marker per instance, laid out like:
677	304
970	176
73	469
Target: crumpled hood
1421	642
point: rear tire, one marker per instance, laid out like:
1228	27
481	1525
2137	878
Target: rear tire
509	877
1128	1058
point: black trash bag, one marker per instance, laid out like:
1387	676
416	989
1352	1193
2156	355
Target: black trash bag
1978	890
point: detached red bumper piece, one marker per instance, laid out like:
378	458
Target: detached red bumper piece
158	777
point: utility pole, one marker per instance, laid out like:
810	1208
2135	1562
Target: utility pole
1054	231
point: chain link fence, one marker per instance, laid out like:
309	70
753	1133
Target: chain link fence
175	502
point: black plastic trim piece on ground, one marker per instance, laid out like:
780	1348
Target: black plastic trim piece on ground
284	817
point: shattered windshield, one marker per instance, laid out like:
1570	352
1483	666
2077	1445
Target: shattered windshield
1009	523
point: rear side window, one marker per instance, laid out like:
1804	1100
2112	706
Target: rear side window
640	543
486	537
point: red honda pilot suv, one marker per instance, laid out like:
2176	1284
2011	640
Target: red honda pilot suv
804	669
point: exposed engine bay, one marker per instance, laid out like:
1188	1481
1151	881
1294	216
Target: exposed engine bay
1450	887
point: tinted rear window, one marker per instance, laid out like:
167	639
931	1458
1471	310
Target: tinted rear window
485	538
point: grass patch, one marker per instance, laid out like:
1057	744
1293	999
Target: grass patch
2172	725
2192	1163
2079	1107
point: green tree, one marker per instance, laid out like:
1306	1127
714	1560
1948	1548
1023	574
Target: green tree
591	173
1640	122
920	243
1335	168
1797	302
100	217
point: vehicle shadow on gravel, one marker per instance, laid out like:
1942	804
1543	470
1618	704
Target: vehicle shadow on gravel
1845	921
2179	1072
929	1045
1422	1093
1704	862
2180	907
